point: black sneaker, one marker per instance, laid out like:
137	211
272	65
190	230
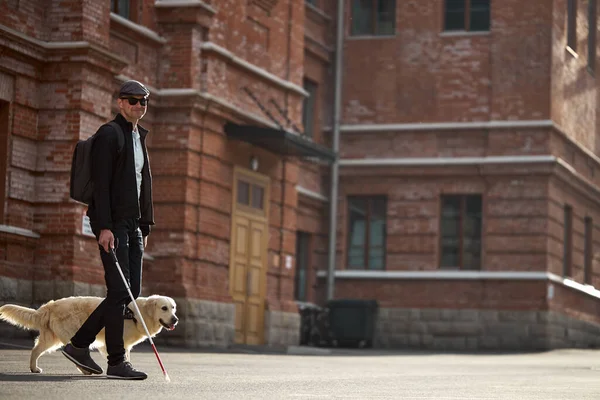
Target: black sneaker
124	371
81	358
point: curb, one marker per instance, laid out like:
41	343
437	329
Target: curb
307	350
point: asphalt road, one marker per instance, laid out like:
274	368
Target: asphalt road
563	374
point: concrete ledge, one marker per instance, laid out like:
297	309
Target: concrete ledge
142	30
15	230
184	3
311	194
434	126
443	161
240	62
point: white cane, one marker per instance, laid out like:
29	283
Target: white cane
137	311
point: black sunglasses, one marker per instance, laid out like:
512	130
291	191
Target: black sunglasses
133	101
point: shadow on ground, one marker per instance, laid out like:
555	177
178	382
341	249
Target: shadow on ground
44	378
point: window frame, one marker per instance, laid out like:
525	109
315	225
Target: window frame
591	42
5	134
588	249
462	213
572	25
467	18
309	114
374	8
366	246
567	241
133	12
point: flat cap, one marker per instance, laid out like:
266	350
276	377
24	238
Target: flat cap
133	88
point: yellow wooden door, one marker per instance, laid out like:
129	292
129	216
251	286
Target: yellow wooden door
248	266
238	274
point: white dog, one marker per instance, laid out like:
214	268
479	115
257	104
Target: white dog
58	320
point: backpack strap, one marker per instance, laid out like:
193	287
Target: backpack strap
120	135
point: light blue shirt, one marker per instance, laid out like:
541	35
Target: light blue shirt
138	155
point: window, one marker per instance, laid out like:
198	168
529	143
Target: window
308	108
367	232
302	262
4	134
572	24
591	35
251	195
373	17
588	251
567	240
312	2
460	232
121	7
467	15
243	193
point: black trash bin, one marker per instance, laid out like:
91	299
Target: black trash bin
313	325
352	322
308	316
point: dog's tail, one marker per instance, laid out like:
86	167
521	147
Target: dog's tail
22	317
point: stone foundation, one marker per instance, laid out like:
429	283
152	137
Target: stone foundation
282	328
201	323
34	294
470	330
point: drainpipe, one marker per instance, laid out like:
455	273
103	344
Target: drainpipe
284	160
333	197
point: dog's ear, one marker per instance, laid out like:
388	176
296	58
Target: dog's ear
150	307
153	306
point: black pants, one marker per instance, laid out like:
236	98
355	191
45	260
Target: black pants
109	314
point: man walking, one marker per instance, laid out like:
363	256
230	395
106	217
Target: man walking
121	212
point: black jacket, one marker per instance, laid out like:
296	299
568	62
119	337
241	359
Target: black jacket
113	174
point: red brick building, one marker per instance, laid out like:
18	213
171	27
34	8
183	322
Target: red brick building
226	210
467	197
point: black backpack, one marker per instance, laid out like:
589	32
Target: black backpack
82	187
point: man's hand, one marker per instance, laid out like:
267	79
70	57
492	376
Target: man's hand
145	241
106	240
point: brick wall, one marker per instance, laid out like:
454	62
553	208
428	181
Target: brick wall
26	16
423	74
574	89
